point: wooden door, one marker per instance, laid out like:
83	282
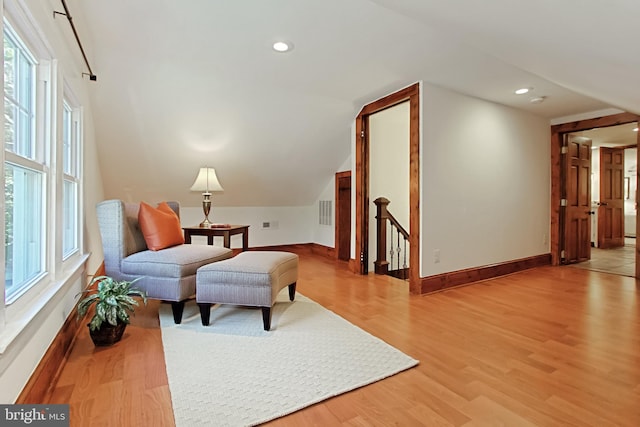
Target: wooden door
343	216
577	229
611	209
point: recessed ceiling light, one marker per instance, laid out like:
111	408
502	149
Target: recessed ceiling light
522	91
282	46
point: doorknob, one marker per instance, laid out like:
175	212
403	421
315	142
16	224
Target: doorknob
590	213
604	203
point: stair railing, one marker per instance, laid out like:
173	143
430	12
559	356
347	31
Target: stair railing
392	235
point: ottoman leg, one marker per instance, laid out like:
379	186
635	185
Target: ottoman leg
292	291
205	313
266	318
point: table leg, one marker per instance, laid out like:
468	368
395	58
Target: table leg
227	239
187	237
245	239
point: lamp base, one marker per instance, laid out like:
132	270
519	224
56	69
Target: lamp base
206	208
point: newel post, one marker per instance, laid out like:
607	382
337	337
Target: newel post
381	264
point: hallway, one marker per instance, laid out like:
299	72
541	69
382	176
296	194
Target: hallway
616	261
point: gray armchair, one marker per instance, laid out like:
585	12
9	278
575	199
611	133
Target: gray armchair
168	274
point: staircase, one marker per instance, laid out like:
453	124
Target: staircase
392	242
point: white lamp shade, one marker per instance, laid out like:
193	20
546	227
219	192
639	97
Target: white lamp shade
206	181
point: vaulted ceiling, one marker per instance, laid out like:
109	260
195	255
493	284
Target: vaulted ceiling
184	84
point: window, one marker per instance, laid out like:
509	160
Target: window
24	171
19	100
67	149
23	233
71	179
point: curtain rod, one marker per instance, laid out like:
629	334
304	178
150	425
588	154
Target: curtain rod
66	13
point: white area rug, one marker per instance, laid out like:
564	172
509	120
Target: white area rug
233	373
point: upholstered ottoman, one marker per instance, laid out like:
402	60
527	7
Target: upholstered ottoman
251	278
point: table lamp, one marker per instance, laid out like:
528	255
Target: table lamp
206	181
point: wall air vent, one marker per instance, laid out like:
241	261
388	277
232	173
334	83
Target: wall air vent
325	212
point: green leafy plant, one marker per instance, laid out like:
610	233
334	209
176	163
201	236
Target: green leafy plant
113	300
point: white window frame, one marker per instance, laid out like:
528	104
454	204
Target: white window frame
17	312
39	160
63	278
74	174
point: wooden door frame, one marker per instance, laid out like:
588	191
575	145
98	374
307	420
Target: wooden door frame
557	132
411	94
337	229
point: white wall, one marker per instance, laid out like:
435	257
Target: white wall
388	169
324	234
288	224
29	330
93	194
485	182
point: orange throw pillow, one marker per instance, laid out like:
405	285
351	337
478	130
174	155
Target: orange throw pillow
160	226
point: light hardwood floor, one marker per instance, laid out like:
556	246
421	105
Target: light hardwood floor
554	346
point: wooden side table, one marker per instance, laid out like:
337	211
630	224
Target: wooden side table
225	232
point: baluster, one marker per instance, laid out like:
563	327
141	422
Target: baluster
404	264
391	250
384	263
398	250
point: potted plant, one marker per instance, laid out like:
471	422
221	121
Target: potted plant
113	301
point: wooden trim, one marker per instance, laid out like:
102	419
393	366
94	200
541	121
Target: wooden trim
294	247
412	94
44	378
353	266
557	179
362	192
443	281
322	250
557	134
414	192
309	248
637	214
598	122
336	230
390	100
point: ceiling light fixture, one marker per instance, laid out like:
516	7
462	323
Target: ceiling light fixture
537	99
635	130
522	91
282	46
